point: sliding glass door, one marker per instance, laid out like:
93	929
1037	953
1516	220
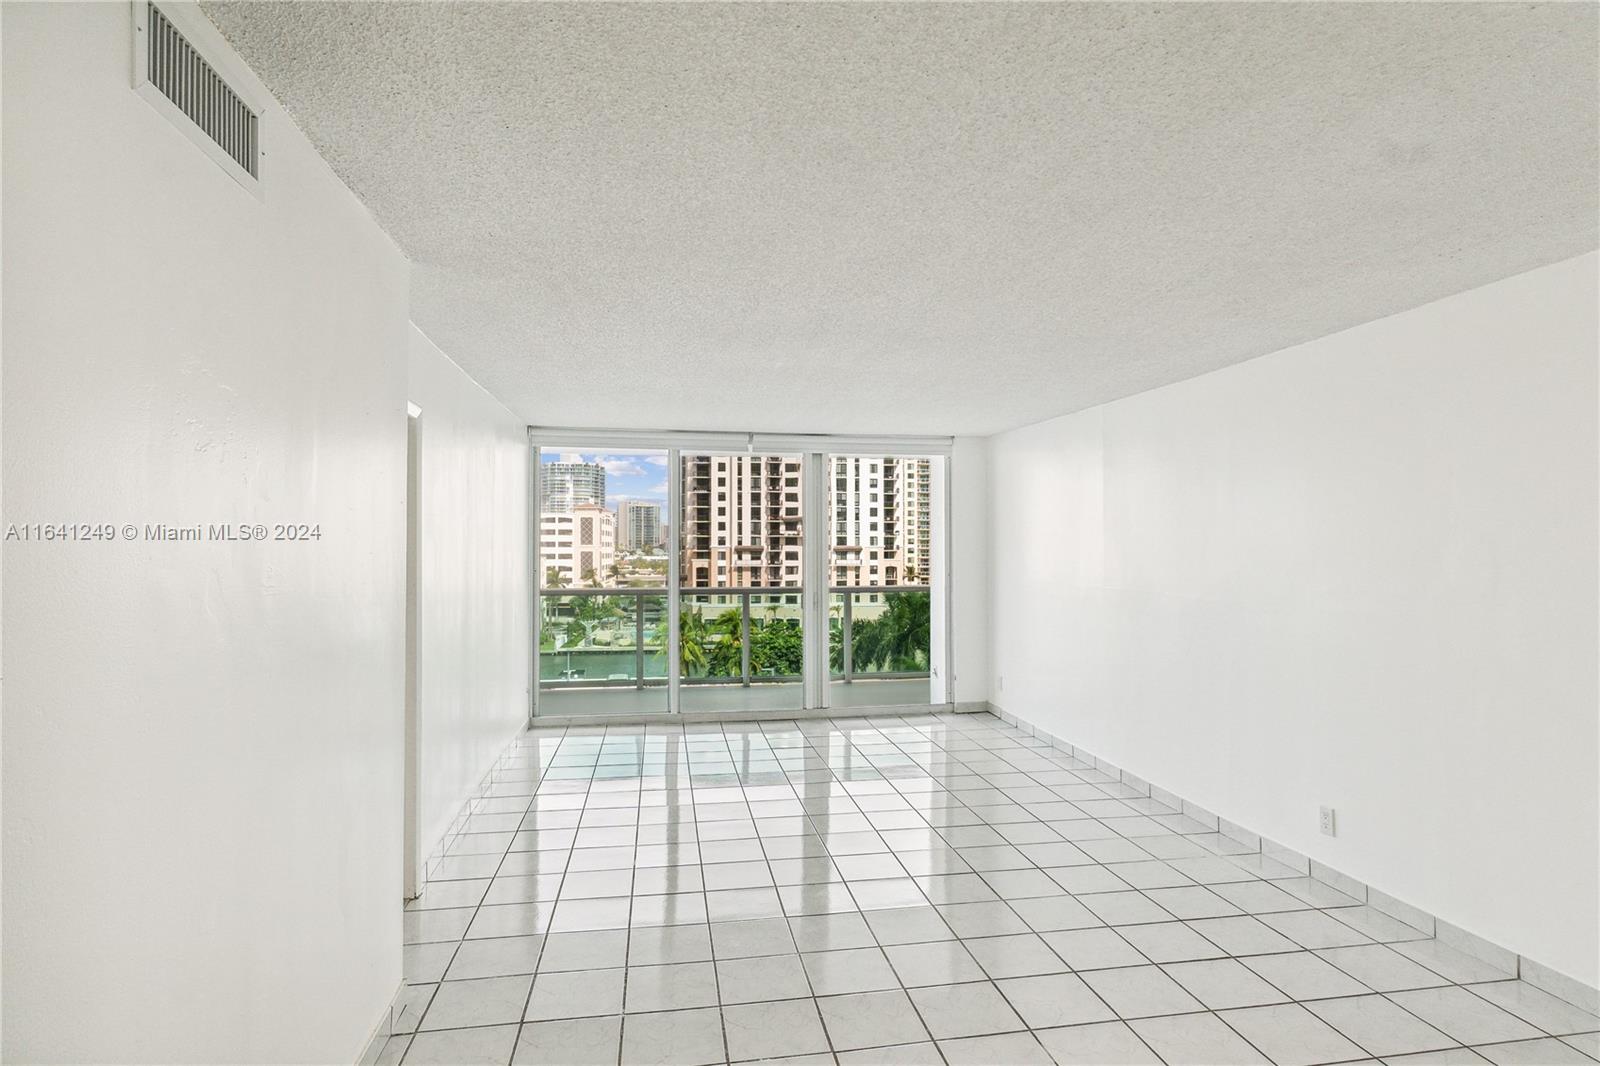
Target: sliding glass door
603	595
683	579
880	559
741	579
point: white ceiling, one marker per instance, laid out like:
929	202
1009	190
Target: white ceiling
929	219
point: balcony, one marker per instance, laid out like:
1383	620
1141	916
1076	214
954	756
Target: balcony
879	645
879	634
604	651
609	641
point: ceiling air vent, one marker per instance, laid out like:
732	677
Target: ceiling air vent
170	72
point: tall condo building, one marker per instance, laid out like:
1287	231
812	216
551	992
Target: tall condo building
878	524
741	521
567	484
742	526
640	524
918	501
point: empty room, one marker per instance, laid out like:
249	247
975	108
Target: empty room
872	534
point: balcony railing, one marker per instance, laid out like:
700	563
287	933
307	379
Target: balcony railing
752	635
603	638
617	637
886	638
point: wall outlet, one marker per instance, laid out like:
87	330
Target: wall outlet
1000	683
1325	822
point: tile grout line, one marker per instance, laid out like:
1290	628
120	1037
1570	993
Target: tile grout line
988	753
1571	989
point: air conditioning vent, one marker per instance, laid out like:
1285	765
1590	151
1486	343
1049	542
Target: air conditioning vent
170	71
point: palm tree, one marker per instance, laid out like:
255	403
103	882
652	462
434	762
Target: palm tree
588	608
898	639
692	643
605	612
726	655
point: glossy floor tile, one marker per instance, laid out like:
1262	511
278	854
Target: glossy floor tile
932	889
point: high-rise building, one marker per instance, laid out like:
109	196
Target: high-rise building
741	521
577	547
639	522
917	499
742	525
878	524
570	483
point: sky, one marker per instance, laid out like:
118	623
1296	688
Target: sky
629	475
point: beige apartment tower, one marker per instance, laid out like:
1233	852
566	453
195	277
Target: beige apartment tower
878	522
742	528
741	521
578	547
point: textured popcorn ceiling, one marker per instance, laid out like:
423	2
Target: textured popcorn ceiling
942	218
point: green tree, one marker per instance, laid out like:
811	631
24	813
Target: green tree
776	647
590	615
726	655
692	643
709	649
898	639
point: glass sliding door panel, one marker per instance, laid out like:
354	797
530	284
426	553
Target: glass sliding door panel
741	574
880	569
603	561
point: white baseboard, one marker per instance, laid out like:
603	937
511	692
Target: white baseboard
1563	987
457	824
383	1030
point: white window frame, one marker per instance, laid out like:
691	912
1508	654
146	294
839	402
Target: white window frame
816	451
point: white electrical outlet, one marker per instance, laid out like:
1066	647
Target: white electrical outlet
1325	821
1000	683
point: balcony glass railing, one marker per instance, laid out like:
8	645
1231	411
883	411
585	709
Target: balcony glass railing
741	636
604	638
604	651
877	632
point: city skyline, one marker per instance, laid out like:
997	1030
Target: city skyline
640	476
590	535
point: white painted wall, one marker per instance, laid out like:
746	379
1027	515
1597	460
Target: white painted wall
1359	572
202	780
474	640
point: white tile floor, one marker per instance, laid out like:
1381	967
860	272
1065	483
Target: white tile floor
907	890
